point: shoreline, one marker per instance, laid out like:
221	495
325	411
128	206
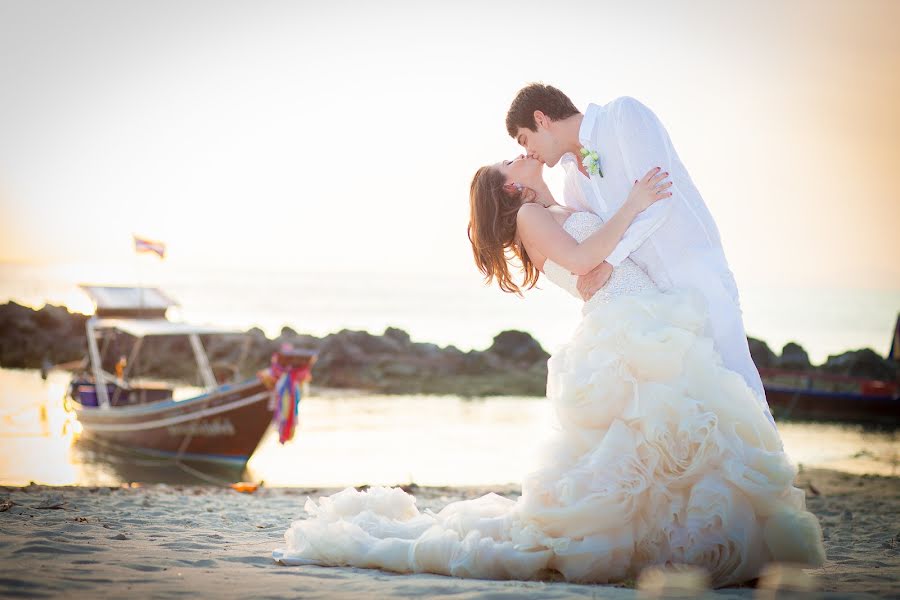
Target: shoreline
165	540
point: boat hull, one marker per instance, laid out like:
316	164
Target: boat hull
225	425
828	397
833	406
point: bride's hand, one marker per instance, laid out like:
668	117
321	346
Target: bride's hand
649	189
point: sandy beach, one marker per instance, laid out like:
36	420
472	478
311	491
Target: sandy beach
172	540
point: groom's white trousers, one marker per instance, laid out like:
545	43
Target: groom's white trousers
708	274
729	336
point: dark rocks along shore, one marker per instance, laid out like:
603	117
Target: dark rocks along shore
514	364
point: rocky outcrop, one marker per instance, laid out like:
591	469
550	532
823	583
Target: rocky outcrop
761	354
794	357
31	338
514	364
862	363
392	363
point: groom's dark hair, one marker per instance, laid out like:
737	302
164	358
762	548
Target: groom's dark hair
537	96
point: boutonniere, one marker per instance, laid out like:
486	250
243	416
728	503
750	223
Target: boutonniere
591	161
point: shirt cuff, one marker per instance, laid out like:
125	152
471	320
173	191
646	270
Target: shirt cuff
617	256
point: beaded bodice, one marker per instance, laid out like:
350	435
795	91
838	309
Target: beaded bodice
627	277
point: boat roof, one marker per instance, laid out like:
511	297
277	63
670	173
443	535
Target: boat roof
128	301
151	327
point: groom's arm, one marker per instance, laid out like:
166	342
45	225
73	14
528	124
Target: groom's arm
645	144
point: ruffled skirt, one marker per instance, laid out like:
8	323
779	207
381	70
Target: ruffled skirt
661	456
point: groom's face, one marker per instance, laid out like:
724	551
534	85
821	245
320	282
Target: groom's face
543	143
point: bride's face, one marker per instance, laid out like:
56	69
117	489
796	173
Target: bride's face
522	170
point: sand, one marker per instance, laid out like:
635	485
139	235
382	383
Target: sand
167	541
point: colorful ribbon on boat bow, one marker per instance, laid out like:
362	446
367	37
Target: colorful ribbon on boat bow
285	398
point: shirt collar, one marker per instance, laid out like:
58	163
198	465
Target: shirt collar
587	124
584	133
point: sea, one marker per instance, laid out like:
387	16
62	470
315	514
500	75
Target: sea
346	438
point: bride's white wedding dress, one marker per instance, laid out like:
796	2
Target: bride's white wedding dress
661	456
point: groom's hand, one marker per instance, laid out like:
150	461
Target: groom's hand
589	283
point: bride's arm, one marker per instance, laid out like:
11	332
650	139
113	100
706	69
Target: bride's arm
540	231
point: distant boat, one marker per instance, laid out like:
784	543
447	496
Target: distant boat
821	396
223	424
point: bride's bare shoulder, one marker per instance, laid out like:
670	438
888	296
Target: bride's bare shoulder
535	223
531	210
536	215
531	214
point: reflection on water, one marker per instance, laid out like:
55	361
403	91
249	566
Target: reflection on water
351	439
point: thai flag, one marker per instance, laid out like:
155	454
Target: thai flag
145	245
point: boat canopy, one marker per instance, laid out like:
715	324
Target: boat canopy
113	301
141	312
150	327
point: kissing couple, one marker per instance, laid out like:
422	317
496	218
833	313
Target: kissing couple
663	451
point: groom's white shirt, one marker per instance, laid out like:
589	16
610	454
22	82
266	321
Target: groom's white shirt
676	240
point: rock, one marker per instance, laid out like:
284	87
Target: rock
480	363
368	343
762	356
13	314
862	363
287	332
517	346
399	369
339	351
448	363
52	317
515	363
397	335
29	338
794	357
427	350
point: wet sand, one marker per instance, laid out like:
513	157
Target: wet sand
166	541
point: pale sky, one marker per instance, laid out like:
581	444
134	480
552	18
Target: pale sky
344	135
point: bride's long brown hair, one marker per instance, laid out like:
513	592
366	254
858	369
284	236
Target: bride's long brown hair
492	230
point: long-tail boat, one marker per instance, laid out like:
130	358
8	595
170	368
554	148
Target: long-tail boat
222	423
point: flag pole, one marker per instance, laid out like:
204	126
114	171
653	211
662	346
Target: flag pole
139	280
141	246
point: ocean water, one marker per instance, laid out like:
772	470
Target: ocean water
351	439
453	309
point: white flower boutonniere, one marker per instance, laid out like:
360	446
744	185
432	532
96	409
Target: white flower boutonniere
591	161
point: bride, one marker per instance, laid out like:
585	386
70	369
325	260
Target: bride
660	456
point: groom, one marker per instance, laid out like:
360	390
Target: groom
675	241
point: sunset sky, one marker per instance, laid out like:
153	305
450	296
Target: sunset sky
344	135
